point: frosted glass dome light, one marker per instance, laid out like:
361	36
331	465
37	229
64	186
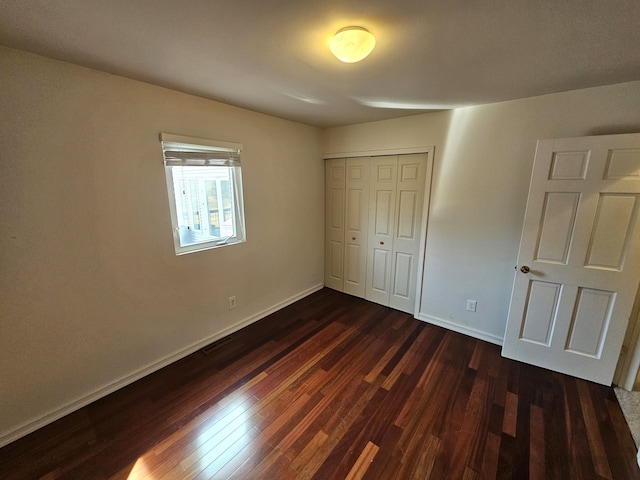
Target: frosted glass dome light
352	44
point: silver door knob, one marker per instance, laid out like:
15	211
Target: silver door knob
525	269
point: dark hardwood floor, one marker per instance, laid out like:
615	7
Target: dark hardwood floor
334	387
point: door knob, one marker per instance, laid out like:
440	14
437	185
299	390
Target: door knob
381	243
525	269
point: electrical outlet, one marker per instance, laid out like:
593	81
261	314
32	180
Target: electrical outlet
471	305
232	302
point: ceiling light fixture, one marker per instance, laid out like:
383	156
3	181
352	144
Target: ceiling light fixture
352	44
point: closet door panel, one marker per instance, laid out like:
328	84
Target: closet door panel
380	271
357	224
406	239
382	205
334	223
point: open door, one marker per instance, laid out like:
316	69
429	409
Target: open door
579	261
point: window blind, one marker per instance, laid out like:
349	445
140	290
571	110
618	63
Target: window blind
198	152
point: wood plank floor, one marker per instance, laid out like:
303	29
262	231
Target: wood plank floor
334	387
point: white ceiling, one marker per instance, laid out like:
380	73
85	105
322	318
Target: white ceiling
272	56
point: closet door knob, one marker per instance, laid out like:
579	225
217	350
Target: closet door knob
525	269
381	243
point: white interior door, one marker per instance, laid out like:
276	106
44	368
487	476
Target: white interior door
356	225
412	170
382	194
334	223
579	260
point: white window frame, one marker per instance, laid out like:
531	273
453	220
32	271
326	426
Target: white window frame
188	160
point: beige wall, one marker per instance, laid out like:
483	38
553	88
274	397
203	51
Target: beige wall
483	161
92	291
93	295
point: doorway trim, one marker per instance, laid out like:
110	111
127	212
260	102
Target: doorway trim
379	153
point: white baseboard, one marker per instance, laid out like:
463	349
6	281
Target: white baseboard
33	425
471	332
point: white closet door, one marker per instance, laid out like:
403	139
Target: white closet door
382	199
406	242
356	225
374	212
334	223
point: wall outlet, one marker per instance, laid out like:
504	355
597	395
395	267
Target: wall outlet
232	302
471	305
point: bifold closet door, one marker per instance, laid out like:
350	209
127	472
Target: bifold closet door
334	223
396	193
382	198
356	224
373	219
405	267
347	217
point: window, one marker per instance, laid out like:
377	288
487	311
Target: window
204	183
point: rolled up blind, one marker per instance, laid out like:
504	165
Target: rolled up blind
198	152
